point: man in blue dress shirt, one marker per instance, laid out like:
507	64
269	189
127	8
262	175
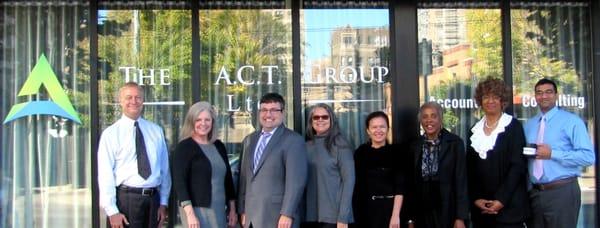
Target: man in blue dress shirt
563	149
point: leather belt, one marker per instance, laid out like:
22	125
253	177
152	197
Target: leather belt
381	197
141	191
554	184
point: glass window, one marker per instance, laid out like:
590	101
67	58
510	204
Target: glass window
154	49
45	164
457	48
244	54
554	41
353	89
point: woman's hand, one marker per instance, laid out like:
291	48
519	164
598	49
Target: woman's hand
495	206
459	223
342	225
232	218
395	222
190	217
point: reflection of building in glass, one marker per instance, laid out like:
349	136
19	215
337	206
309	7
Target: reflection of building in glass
354	78
447	27
354	51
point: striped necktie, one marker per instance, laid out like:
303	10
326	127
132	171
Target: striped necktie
264	138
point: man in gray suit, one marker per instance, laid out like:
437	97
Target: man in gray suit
273	170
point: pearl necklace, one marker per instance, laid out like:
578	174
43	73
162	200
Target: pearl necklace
493	125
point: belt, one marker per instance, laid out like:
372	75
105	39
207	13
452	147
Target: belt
554	184
141	191
381	197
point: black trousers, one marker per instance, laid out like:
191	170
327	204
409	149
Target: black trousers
317	225
140	210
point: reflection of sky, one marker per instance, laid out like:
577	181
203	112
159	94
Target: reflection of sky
320	23
102	16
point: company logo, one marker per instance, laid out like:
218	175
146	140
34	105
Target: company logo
59	105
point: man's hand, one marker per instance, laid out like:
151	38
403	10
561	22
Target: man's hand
117	220
342	225
395	222
243	219
162	215
543	151
284	222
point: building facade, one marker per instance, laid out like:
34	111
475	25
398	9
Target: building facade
62	62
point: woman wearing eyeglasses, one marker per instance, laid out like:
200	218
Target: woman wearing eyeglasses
379	179
330	171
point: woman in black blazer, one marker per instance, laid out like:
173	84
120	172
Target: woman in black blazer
201	174
497	169
437	175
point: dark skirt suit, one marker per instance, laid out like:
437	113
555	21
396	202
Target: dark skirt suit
438	200
378	179
191	174
501	176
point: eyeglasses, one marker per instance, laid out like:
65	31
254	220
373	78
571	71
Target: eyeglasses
323	117
269	110
547	92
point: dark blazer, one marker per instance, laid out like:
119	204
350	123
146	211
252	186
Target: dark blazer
191	173
502	176
452	179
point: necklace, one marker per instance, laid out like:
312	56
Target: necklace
493	125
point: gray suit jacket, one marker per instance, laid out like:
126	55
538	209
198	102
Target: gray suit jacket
278	184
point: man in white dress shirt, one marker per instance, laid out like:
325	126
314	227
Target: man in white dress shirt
133	166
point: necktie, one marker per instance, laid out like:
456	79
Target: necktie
538	164
142	156
261	147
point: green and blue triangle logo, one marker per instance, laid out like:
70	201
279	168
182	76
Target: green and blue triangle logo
43	75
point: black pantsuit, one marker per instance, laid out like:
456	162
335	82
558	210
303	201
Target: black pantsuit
438	203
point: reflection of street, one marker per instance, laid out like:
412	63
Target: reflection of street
59	206
588	201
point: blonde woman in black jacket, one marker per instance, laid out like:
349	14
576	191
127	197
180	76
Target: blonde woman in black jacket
201	174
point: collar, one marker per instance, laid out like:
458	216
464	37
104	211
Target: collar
128	120
549	114
272	131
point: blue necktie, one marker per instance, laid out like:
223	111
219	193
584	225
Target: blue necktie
261	147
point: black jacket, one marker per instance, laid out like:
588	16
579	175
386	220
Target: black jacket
501	176
191	173
452	180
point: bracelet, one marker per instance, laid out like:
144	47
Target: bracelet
411	221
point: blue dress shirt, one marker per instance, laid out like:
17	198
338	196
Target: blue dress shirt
569	140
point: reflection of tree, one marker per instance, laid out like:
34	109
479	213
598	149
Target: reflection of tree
485	34
233	38
454	89
534	48
230	39
536	51
146	39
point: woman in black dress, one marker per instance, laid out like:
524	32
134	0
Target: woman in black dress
378	191
497	169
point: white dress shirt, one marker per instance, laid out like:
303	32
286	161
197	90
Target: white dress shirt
117	162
